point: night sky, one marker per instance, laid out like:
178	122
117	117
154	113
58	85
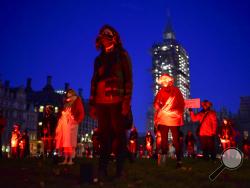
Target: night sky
57	38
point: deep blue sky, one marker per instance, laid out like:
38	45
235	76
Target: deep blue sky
57	38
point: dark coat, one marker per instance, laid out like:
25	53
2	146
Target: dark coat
112	78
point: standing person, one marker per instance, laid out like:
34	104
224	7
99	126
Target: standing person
149	143
2	125
226	134
246	145
48	130
190	141
15	138
24	145
110	99
132	147
96	142
70	117
207	128
158	147
169	106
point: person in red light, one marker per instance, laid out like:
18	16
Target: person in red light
110	98
190	141
149	141
48	130
15	138
70	117
141	151
24	144
158	147
226	134
246	145
96	142
169	106
207	129
158	141
132	147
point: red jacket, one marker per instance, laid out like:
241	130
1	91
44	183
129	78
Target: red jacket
209	124
77	110
171	104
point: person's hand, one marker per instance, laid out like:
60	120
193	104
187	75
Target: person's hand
92	112
125	108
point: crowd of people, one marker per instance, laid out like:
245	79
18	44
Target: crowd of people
19	142
110	104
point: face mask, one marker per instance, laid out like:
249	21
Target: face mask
107	38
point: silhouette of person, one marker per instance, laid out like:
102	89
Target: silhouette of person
48	129
190	141
24	144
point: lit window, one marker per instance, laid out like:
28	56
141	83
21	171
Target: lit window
41	108
164	48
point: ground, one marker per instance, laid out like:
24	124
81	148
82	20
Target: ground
144	173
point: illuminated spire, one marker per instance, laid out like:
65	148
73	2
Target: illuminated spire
169	32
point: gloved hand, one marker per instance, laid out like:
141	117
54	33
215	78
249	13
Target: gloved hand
92	112
125	108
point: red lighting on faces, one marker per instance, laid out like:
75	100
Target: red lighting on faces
225	121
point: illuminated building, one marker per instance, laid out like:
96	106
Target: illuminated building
16	110
244	114
49	96
26	106
40	99
170	57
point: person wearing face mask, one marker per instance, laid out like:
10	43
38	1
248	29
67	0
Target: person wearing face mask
110	98
207	128
169	109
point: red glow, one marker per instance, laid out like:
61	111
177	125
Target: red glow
224	140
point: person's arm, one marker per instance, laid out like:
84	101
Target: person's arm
157	101
94	83
128	83
79	110
93	87
181	103
214	122
195	117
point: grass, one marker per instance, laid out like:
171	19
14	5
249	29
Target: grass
144	173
